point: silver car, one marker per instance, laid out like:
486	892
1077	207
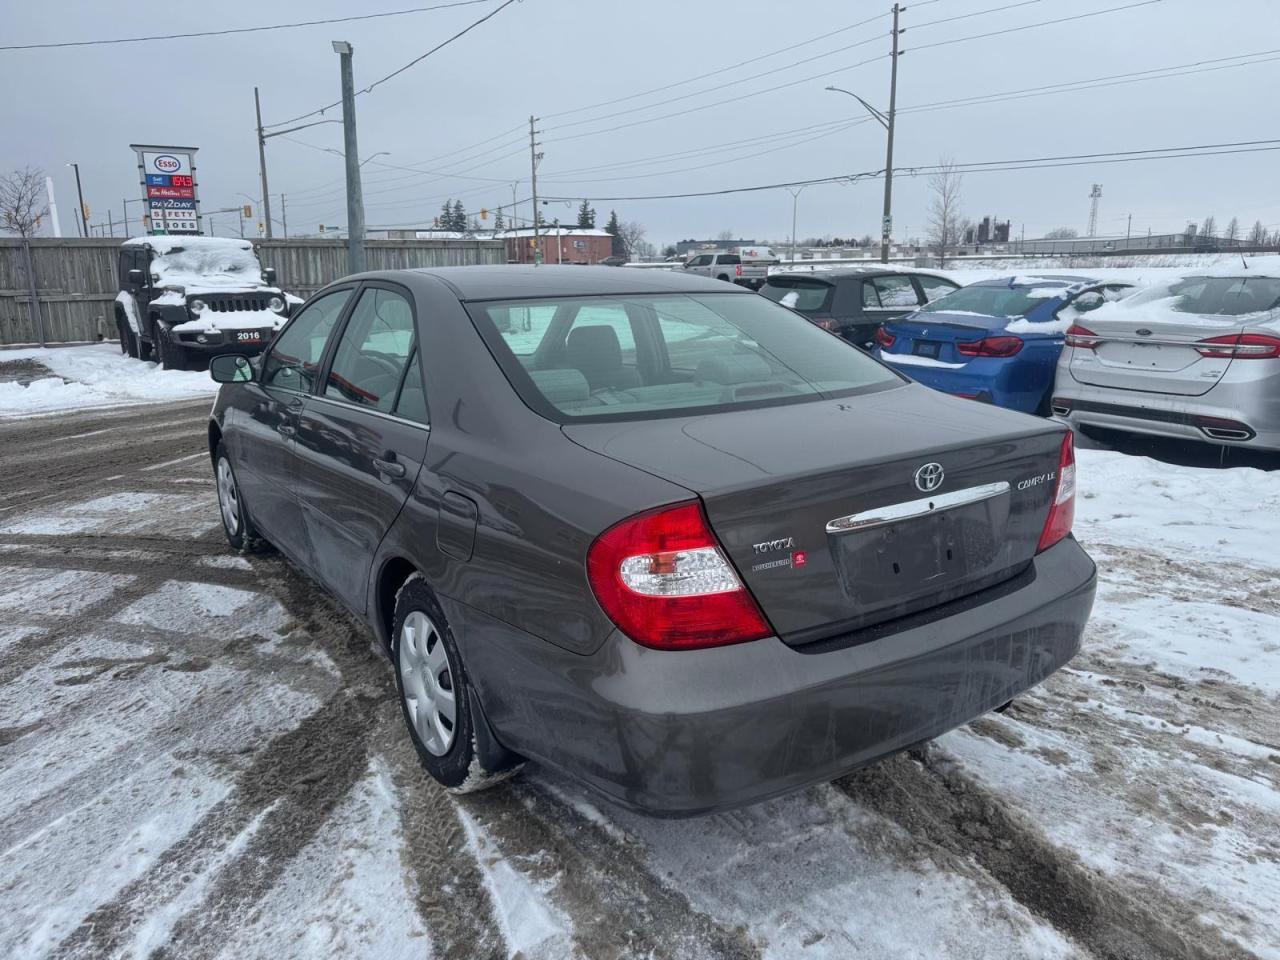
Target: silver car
1198	357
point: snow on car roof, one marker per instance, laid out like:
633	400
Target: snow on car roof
204	263
163	244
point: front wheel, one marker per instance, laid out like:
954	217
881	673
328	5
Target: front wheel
435	694
168	354
240	531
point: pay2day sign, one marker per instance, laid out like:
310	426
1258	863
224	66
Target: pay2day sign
171	195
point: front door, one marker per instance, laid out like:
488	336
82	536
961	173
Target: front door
362	439
268	422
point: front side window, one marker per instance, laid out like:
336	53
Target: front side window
676	354
373	353
295	356
889	292
935	287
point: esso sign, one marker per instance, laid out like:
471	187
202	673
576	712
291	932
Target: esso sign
167	164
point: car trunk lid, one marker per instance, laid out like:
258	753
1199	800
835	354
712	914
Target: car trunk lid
1136	353
935	338
836	535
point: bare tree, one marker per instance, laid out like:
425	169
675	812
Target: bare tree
1062	233
1233	229
1258	235
725	235
632	234
945	218
1210	226
22	201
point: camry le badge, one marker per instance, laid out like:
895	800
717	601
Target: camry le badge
929	477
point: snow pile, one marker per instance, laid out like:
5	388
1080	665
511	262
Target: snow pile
95	376
207	263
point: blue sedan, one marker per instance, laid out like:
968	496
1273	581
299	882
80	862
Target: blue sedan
997	340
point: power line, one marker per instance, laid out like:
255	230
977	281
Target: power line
400	70
987	166
966	16
1031	26
234	30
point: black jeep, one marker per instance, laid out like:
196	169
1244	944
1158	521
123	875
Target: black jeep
183	299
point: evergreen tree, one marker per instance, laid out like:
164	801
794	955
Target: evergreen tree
586	215
498	222
619	248
445	220
458	221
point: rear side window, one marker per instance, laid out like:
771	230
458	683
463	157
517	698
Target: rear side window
889	292
373	353
292	361
692	353
807	296
935	287
729	258
412	402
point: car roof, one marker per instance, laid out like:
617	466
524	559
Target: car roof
836	273
515	281
1031	280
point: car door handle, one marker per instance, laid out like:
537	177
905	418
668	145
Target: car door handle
389	468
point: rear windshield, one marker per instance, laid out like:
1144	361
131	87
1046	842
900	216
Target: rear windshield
994	301
637	357
807	296
1215	296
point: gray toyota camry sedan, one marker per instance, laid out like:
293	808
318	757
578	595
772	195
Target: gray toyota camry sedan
654	531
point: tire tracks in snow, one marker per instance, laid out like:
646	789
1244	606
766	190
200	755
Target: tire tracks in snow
955	818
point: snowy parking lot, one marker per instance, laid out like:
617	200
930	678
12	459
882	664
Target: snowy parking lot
201	756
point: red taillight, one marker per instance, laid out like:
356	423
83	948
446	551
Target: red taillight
991	347
1240	346
1082	337
884	338
661	577
1062	512
738	269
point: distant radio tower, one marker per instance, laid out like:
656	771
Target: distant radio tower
1095	195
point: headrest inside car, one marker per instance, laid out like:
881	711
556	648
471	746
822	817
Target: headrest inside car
561	386
738	368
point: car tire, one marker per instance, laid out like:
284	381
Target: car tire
432	684
128	341
724	277
241	533
169	355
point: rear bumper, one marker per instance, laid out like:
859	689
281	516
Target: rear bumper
999	382
690	732
1207	418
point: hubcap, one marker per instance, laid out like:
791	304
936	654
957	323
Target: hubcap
427	683
228	497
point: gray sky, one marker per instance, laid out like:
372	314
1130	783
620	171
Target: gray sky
548	57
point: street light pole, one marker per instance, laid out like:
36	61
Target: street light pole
795	197
355	199
82	219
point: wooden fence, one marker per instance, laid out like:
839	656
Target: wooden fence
76	280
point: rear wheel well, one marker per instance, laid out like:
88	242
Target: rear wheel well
394	573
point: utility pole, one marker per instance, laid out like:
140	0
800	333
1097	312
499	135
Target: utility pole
262	165
284	218
1128	229
355	198
534	157
82	219
886	223
795	197
111	226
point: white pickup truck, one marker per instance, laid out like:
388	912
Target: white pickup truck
740	268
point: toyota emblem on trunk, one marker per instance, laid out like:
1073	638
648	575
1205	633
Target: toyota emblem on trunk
929	477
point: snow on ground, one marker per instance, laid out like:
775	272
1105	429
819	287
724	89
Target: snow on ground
94	376
199	753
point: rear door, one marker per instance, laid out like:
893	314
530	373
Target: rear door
262	444
362	438
1149	343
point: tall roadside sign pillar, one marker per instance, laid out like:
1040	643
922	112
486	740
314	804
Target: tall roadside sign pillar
170	190
355	199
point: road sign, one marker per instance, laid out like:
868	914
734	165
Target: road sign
167	176
886	226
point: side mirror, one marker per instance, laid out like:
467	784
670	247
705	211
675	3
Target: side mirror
1089	301
269	275
230	368
137	278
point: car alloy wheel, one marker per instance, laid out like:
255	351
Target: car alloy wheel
427	686
228	497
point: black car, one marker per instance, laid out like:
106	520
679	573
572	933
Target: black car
854	301
649	529
186	298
